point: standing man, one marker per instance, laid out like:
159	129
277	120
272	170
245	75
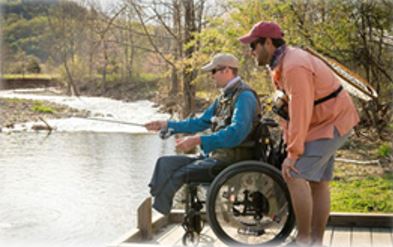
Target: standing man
316	121
232	118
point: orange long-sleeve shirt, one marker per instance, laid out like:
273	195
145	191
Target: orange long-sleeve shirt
305	78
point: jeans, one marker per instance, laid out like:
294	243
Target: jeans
171	172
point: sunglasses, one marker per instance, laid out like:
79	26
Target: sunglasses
218	69
253	45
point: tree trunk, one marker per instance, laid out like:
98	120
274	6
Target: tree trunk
177	46
104	67
189	72
71	87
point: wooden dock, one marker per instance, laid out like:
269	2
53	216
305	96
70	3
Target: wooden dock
344	230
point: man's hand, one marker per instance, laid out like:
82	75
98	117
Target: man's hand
287	166
188	143
156	125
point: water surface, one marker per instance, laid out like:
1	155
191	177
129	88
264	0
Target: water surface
73	188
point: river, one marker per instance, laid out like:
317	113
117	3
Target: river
81	185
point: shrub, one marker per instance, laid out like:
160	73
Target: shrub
41	108
385	150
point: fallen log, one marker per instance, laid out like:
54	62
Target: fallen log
365	162
44	126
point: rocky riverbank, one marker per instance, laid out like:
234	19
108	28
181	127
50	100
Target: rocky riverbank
13	111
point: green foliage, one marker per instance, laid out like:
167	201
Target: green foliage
78	69
33	66
26	9
40	107
371	194
352	32
385	150
148	77
30	35
28	76
15	100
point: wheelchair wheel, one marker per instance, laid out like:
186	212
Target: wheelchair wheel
249	204
190	238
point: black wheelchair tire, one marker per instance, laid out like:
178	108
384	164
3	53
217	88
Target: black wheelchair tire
190	238
245	166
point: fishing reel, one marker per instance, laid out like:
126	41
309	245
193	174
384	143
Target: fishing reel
165	133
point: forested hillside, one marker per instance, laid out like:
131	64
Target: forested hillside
159	46
26	37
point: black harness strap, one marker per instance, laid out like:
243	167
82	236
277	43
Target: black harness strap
330	96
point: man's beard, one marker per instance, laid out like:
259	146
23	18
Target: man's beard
261	61
262	58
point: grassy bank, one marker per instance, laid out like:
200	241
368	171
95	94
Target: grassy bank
363	194
365	188
14	111
28	76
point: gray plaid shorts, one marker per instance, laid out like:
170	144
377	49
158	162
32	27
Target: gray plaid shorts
317	162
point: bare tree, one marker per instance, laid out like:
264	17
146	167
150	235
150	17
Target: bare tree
178	21
66	24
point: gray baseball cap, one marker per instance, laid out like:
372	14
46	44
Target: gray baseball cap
222	60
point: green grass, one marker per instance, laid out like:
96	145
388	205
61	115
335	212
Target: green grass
370	194
385	149
28	76
116	78
15	100
148	76
42	108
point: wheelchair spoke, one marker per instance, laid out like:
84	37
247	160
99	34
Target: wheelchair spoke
250	206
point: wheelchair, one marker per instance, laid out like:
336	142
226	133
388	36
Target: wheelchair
248	202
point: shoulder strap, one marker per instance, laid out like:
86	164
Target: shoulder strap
239	90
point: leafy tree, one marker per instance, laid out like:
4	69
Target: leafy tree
25	27
66	22
356	33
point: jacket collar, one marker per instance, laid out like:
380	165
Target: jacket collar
231	86
277	56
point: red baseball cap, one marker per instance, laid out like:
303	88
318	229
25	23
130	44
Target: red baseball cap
262	29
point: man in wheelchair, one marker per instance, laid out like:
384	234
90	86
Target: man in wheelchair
232	118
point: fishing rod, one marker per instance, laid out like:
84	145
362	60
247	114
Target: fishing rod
111	121
163	133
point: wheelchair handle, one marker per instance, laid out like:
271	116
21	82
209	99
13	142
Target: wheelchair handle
269	122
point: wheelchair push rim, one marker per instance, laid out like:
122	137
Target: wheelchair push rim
249	204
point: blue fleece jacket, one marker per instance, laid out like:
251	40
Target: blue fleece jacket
229	137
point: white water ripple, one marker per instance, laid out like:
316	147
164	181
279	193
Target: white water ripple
135	112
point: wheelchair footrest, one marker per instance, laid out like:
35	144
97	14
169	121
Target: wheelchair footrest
251	231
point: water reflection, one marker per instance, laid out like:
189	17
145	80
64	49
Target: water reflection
73	189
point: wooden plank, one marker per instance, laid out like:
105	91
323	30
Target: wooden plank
160	222
327	237
381	237
172	236
145	219
334	235
208	238
360	220
176	216
361	237
341	237
133	235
